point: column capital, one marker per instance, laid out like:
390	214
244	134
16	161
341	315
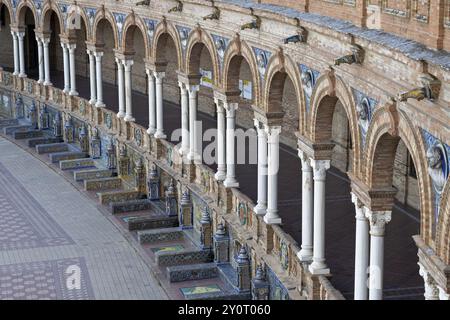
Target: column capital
230	108
272	132
159	76
192	88
359	208
182	86
98	54
20	34
432	291
149	72
127	63
378	221
260	128
306	162
320	168
72	46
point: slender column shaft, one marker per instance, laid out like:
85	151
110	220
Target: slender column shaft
361	250
128	97
318	265
378	221
185	143
273	154
73	75
230	180
221	162
20	36
46	42
261	205
120	88
40	60
99	80
151	103
193	132
66	67
159	76
92	84
306	252
16	53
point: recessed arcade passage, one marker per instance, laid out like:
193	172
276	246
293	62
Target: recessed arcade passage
401	278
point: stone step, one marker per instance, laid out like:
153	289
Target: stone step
76	164
33	142
11	129
107	197
192	272
67	155
52	147
21	135
91	174
102	184
152	222
160	235
222	295
129	206
183	257
228	274
8	122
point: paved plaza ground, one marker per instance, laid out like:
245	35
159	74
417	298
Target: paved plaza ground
55	243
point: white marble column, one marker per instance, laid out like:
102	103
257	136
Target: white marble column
20	36
230	180
318	265
128	94
40	60
185	143
361	250
16	53
273	165
193	154
99	78
261	204
431	288
66	65
120	88
221	160
159	76
151	103
377	221
92	84
46	42
306	252
73	76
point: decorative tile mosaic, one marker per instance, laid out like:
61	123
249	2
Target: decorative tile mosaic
65	279
177	247
200	290
25	224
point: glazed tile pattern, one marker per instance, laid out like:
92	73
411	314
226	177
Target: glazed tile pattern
25	224
45	280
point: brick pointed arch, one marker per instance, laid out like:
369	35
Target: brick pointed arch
196	39
165	28
443	227
47	10
380	155
131	24
328	90
279	67
105	15
20	13
236	51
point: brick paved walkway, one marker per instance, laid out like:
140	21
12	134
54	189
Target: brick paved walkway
56	244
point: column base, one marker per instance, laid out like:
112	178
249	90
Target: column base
48	83
150	131
220	175
120	114
305	255
22	75
66	91
231	183
160	135
129	118
271	218
193	157
318	268
15	73
73	93
92	102
39	81
99	104
183	151
260	209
